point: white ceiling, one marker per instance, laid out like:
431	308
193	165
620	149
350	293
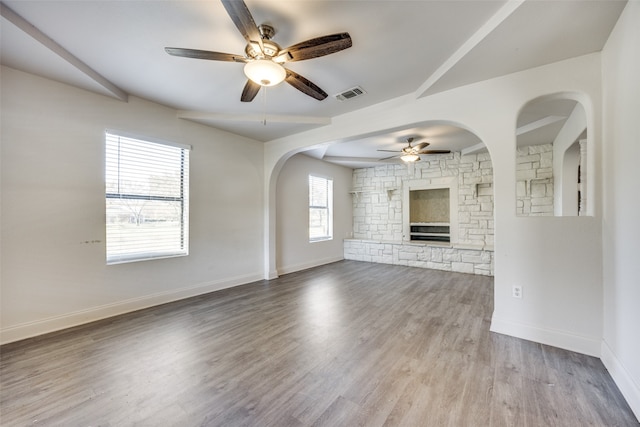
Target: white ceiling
399	48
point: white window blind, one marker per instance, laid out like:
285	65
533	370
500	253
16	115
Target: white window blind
320	208
147	194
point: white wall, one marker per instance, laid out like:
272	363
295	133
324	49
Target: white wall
294	251
53	268
621	216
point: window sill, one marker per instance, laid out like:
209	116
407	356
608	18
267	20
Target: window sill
324	239
128	260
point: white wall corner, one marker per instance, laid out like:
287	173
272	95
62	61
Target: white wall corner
304	266
553	337
623	379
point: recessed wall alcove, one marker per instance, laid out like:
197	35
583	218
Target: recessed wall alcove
552	158
429	215
432	210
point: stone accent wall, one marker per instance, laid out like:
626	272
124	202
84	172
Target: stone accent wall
449	258
378	215
377	196
534	180
377	202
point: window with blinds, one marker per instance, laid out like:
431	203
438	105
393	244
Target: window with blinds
320	208
147	195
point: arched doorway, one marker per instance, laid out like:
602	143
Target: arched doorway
382	194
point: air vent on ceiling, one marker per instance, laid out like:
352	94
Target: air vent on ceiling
350	93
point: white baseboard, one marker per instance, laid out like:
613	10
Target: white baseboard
556	338
307	265
628	387
56	323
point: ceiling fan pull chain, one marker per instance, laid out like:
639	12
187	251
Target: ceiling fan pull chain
264	105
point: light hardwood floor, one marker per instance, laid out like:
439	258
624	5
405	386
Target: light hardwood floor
345	344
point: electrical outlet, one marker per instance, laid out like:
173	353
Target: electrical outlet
516	291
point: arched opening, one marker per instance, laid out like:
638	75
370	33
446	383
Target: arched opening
552	157
378	191
391	199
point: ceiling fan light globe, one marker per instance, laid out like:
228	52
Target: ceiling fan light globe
410	158
265	72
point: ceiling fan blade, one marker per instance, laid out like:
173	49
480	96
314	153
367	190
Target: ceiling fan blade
391	151
305	86
250	91
420	146
434	152
240	15
315	48
204	54
387	158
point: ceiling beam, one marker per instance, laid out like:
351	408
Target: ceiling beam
529	127
273	118
316	153
338	159
474	149
54	47
545	121
498	18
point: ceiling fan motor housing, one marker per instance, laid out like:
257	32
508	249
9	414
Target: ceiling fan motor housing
271	49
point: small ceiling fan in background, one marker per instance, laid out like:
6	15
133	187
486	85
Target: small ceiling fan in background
411	153
264	58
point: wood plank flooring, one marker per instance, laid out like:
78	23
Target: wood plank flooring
347	344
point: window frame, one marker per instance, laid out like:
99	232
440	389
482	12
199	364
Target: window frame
182	198
328	208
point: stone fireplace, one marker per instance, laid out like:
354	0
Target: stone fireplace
388	200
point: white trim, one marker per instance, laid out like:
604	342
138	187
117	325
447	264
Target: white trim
273	118
146	138
553	337
307	265
56	323
628	387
